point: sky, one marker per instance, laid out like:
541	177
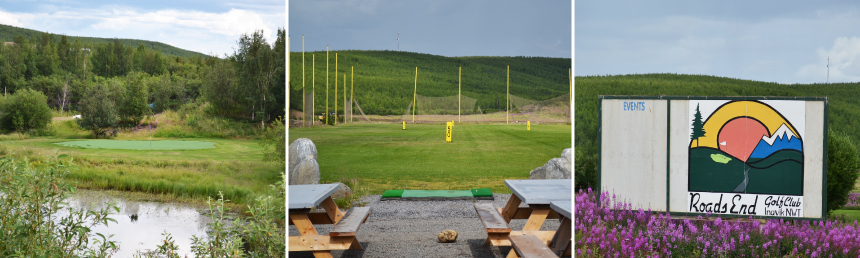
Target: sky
774	41
208	27
438	27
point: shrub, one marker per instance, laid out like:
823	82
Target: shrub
98	111
843	163
585	171
30	220
26	110
274	139
134	106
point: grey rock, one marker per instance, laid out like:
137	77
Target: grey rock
303	167
302	149
447	236
342	191
557	168
307	172
567	154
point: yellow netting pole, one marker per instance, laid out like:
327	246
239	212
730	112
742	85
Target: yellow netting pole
335	88
508	96
459	91
414	94
326	84
313	87
304	123
351	91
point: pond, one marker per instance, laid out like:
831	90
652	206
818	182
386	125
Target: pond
140	224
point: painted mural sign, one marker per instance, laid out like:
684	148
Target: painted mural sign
746	157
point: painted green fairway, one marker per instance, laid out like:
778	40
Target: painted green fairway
140	145
384	157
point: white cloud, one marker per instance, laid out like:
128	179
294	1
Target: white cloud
10	19
204	32
844	62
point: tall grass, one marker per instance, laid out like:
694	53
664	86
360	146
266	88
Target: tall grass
194	120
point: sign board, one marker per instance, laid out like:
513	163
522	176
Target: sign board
733	156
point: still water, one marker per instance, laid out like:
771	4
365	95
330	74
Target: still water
140	224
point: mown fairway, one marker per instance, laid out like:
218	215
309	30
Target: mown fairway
383	156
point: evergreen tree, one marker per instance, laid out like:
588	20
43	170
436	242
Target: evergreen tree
698	131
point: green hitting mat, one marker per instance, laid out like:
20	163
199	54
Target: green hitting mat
479	193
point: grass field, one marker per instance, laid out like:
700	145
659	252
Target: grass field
234	167
384	157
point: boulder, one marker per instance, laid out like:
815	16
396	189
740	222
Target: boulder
303	167
306	172
556	168
447	236
342	191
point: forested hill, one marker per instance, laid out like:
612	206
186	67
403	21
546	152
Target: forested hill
843	98
385	80
8	34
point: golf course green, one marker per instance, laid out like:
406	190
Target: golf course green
140	145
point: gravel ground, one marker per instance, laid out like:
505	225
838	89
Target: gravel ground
409	229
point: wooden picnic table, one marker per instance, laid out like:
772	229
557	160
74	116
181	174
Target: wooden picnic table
562	238
538	195
302	199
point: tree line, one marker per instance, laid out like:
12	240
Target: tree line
385	80
134	82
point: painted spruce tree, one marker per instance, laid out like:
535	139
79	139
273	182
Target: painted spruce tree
698	131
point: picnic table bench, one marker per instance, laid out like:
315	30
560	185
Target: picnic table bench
302	199
538	195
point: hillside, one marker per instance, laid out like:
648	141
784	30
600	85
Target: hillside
8	33
843	102
385	80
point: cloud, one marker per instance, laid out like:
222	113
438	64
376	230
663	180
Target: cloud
10	19
844	62
204	32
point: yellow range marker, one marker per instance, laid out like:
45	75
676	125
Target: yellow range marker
449	126
404	125
528	125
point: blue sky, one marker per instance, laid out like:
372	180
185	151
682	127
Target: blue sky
439	27
209	27
774	41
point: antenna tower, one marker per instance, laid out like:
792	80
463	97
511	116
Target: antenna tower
398	41
828	69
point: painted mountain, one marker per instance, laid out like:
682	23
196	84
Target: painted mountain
743	154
